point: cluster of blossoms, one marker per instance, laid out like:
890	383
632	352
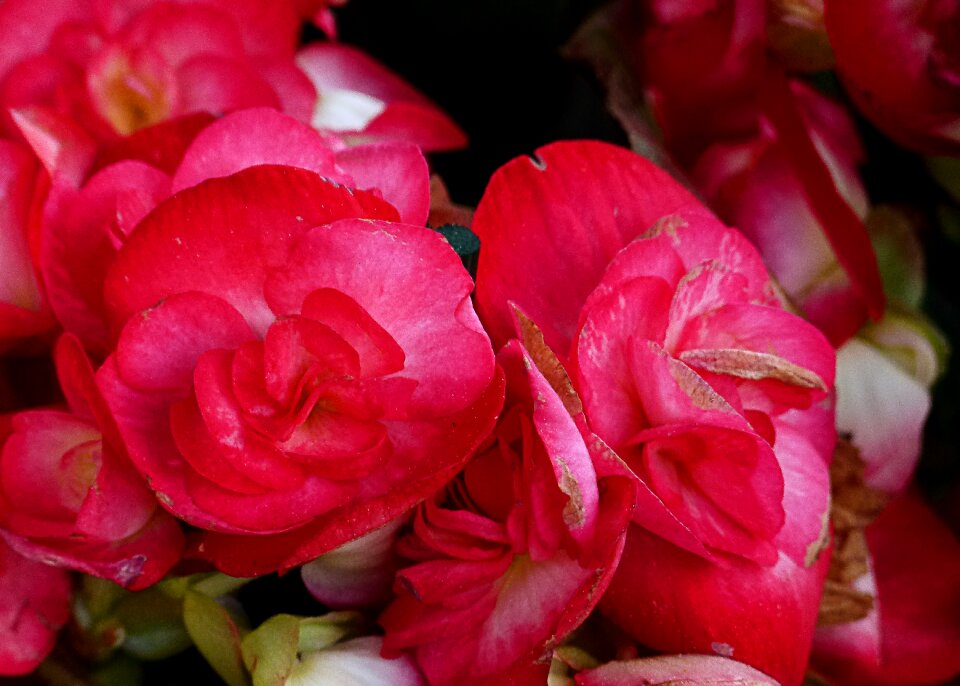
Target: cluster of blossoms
635	446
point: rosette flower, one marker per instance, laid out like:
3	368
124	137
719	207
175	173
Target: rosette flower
116	67
69	495
34	604
690	369
900	63
85	224
521	546
294	365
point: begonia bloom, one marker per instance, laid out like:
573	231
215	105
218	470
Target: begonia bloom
690	369
83	227
69	495
900	63
270	382
518	551
115	68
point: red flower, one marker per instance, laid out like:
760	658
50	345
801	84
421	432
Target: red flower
900	62
83	227
69	495
117	67
714	396
294	365
912	635
34	604
758	185
519	550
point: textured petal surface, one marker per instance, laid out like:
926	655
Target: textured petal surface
534	212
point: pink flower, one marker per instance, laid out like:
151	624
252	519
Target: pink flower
714	396
69	495
277	374
900	63
912	634
84	225
34	604
517	551
117	67
759	186
697	54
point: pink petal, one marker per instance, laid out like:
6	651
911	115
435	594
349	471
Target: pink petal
237	228
19	286
421	124
78	244
228	146
358	573
845	231
161	146
64	149
332	65
427	284
535	212
398	170
219	85
675	670
449	445
673	601
159	348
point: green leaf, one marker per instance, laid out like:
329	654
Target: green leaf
317	633
270	651
152	623
216	635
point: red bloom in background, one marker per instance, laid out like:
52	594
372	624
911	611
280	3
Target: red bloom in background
518	550
757	186
763	145
912	634
294	365
115	67
714	396
34	604
696	56
900	63
69	495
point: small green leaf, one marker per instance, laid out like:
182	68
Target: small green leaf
270	651
152	624
217	584
216	635
317	633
